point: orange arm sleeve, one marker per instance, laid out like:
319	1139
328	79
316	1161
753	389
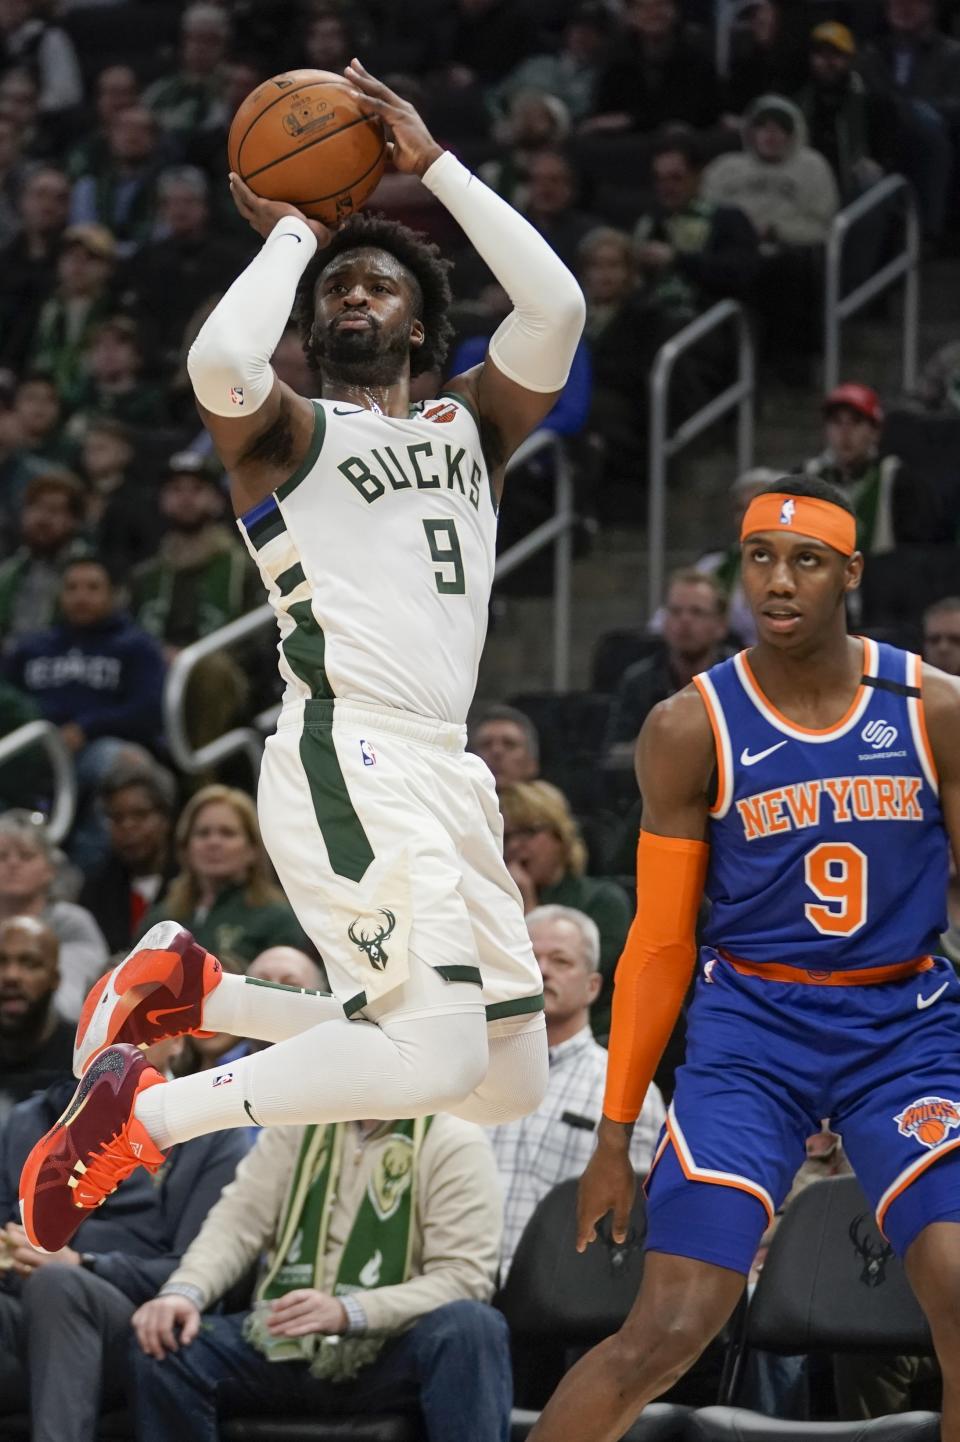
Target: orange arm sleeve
653	972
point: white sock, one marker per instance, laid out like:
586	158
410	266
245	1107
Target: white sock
337	1071
265	1010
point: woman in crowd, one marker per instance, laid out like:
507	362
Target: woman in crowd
547	859
28	869
224	892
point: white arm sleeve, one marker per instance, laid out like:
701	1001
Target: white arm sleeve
229	362
535	345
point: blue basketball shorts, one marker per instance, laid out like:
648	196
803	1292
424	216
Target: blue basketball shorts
766	1062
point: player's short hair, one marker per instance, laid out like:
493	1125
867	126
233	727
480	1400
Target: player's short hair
418	255
690	576
812	487
587	927
946	606
502	712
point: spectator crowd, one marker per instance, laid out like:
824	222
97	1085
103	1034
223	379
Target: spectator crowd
671	163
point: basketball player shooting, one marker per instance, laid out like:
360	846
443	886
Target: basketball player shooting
373	524
810	786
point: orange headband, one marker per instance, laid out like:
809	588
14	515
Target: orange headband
803	515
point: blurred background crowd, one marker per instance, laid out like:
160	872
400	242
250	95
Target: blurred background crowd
675	153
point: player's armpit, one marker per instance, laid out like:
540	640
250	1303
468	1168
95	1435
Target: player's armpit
655	967
941	713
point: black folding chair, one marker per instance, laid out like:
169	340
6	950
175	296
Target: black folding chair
830	1283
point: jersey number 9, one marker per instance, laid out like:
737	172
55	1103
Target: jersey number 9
444	546
836	873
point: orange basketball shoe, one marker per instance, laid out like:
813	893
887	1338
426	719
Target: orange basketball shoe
157	992
94	1146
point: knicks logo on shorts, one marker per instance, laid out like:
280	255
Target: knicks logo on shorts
929	1120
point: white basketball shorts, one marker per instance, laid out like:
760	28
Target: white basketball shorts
387	838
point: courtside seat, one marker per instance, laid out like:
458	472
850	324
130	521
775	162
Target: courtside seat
734	1424
660	1422
556	1295
830	1284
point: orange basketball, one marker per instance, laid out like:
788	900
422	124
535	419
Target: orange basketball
931	1132
302	138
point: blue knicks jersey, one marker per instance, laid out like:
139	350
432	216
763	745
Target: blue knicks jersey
827	848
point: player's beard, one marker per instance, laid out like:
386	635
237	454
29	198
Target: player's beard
362	357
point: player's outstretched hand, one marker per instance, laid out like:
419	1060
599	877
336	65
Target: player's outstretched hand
264	214
413	148
609	1184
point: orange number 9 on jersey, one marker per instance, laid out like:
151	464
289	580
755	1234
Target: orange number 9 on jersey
836	873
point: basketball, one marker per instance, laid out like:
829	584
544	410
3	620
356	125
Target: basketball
931	1132
302	138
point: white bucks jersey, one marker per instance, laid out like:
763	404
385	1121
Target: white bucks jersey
378	557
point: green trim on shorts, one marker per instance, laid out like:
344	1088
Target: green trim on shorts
310	459
461	973
521	1007
283	986
342	830
355	1004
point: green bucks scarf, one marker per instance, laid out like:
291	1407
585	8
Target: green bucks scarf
376	1253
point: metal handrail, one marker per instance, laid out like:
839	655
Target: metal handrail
558	531
246	739
906	264
249	739
63	806
663	446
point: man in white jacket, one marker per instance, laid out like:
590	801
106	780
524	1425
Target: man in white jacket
789	193
381	1243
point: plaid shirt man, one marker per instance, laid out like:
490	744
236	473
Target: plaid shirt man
557	1140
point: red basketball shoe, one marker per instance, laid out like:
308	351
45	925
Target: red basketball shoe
157	992
94	1146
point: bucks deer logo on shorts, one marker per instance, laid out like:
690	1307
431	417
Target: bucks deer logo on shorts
929	1120
369	937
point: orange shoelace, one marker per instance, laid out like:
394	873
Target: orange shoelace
112	1165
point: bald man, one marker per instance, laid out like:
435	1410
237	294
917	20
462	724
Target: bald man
36	1043
288	966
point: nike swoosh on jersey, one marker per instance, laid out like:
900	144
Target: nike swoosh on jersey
747	760
357	411
924	1001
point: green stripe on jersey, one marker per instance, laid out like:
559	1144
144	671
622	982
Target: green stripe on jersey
312	456
290	579
305	649
343	835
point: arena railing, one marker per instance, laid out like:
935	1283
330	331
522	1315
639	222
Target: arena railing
63	805
905	265
248	740
663	446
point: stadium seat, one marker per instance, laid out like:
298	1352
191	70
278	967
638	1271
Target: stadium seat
899	585
557	1295
660	1422
733	1424
830	1283
614	651
571	728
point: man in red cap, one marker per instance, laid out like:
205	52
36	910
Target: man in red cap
852	459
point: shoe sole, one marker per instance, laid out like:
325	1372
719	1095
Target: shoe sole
121	991
39	1156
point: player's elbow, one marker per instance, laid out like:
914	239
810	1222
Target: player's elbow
571	306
